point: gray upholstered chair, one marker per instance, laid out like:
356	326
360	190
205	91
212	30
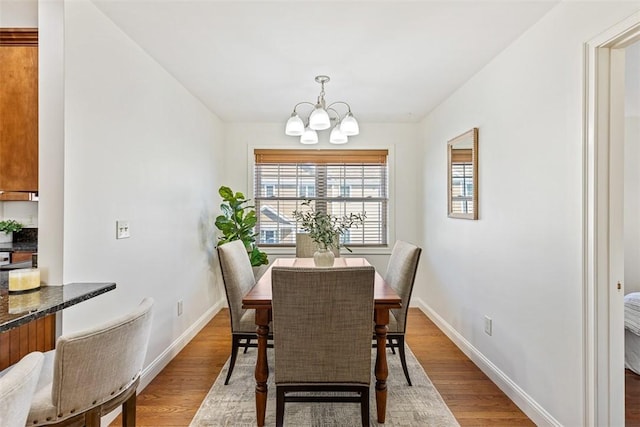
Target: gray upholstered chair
306	247
238	278
400	275
17	386
322	324
92	372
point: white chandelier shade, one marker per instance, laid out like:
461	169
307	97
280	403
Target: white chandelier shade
337	136
295	125
349	125
309	136
321	118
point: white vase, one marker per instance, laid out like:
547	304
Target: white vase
323	258
6	237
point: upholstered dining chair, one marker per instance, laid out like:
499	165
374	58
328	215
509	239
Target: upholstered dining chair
400	275
92	372
306	247
238	279
322	324
17	386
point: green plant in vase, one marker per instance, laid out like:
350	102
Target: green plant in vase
7	228
326	229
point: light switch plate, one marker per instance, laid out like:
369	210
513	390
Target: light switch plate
122	230
488	327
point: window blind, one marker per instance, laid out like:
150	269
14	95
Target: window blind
338	182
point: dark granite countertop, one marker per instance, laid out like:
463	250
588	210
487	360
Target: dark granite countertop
19	247
18	309
15	266
25	240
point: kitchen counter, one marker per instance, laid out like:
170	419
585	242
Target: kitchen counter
13	266
22	308
19	247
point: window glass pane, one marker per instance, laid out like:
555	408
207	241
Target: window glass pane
336	188
461	187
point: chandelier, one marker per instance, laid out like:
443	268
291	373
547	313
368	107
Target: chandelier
320	118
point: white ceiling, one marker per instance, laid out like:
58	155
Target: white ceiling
392	61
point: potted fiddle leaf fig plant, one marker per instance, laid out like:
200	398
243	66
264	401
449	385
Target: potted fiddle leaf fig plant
237	222
325	230
7	228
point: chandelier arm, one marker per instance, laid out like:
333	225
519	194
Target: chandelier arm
301	103
339	102
329	108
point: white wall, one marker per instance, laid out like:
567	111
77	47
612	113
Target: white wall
23	212
403	141
51	140
521	262
18	13
138	147
632	171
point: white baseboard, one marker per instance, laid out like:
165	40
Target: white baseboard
525	402
160	362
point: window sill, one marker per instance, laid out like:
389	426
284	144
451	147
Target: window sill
291	252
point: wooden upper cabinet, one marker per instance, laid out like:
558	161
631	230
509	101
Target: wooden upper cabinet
18	109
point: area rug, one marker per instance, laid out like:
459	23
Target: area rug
234	404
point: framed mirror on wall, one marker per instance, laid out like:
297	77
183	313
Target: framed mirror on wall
462	181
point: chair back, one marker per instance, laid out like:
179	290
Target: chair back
91	366
322	320
17	386
400	275
306	247
237	276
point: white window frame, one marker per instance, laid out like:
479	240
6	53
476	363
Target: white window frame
391	218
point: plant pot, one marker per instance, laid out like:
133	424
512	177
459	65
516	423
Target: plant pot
323	258
6	237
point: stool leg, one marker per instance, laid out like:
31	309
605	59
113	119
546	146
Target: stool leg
92	417
129	412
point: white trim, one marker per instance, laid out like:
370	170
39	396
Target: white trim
597	292
291	252
160	362
525	402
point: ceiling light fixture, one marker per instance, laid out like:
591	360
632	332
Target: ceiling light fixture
320	118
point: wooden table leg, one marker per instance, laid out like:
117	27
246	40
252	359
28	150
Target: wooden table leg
262	365
382	370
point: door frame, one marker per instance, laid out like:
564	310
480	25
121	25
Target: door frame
603	335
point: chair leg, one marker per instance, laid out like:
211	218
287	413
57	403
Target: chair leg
235	343
246	345
364	407
279	406
92	417
392	345
403	359
129	412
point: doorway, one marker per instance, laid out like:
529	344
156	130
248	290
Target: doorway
604	212
632	225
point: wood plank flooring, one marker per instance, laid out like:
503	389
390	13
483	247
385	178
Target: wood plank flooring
174	396
631	398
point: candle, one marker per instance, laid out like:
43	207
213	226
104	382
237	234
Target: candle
24	279
24	302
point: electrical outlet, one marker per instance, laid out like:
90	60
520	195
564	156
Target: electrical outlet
122	230
180	308
487	325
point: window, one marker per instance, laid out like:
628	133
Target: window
268	236
461	186
338	181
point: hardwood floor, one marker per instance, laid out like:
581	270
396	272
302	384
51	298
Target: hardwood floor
173	397
631	398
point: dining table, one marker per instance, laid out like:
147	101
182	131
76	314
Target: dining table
259	299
